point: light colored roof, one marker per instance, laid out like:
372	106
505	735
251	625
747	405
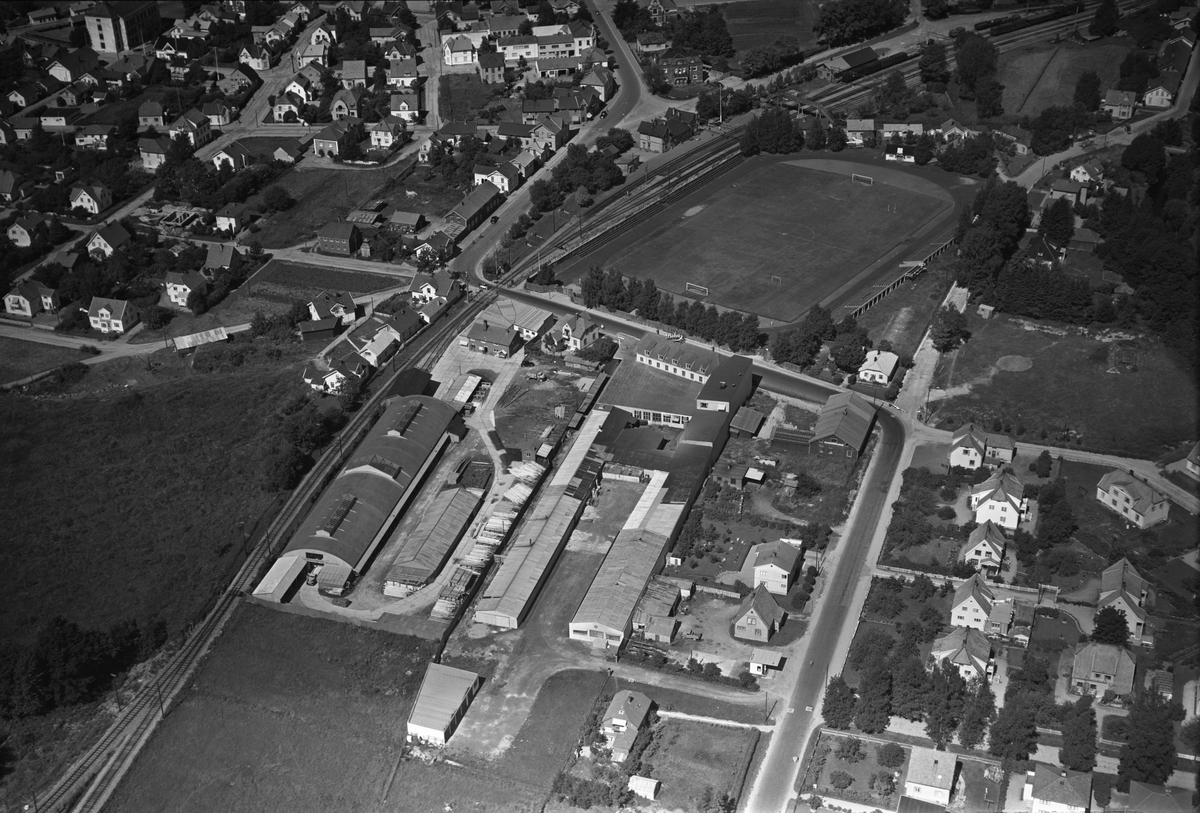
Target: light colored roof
679	354
614	592
217	334
988	534
1058	785
425	549
345	521
442	692
934	769
1105	659
846	416
767	657
1143	496
1001	487
777	553
512	312
963	646
1146	798
975	587
881	362
1121	575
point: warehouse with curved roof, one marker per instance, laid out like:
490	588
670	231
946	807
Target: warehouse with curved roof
352	517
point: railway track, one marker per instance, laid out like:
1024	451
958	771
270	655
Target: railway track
840	98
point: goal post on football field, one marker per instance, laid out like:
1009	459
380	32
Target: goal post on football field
692	287
776	279
863	179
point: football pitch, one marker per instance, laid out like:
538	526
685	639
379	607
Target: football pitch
779	239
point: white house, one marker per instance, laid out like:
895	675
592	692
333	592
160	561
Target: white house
930	775
972	605
31	298
387	132
624	716
900	152
878	368
350	366
180	285
1001	499
579	332
857	130
402	73
406	106
1123	588
94	198
972	448
333	304
776	565
24	229
380	335
506	177
1191	463
1160	93
458	51
108	239
1135	501
1088	172
424	288
233	154
967	649
1051	789
111	315
984	549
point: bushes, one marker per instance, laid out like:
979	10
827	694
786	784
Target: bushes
708	672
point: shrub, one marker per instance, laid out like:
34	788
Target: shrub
850	750
947	513
841	780
889	755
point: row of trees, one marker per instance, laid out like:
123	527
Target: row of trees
609	288
593	171
842	22
976	63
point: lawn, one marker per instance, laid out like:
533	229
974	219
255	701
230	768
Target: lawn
553	728
861	772
320	278
1067	395
291	713
322	196
462	95
688	757
800	235
904	314
19	358
756	23
129	505
1036	77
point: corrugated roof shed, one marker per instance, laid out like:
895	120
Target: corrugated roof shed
349	516
613	595
425	550
846	416
204	337
443	692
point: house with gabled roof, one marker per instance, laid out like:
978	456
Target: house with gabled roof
194	126
256	56
181	284
403	73
92	198
30	298
69	67
843	426
406	106
491	67
1001	499
984	548
10	186
579	332
232	217
1124	589
1134	500
153	152
1146	798
458	51
221	257
479	203
426	287
776	566
1050	789
972	447
111	315
345	104
354	74
967	649
1119	104
108	239
1162	90
850	61
930	776
627	712
1101	668
1088	172
380	335
972	605
219	113
387	132
337	305
26	228
234	154
504	176
758	617
878	367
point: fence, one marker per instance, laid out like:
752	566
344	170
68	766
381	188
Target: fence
907	271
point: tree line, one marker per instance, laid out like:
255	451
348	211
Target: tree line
738	332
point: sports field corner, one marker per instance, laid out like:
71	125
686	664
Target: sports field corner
778	237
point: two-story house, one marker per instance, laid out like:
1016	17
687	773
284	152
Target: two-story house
426	287
776	565
1101	668
758	617
1124	589
333	305
30	298
1000	499
984	549
111	315
624	717
181	284
972	447
967	649
930	776
92	198
194	126
1135	501
972	604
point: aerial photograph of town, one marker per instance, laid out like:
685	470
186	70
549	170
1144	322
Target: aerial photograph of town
539	406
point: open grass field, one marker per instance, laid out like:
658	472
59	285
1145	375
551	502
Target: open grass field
129	505
19	359
322	196
1067	394
689	757
756	23
320	278
811	230
462	95
905	313
1036	77
291	713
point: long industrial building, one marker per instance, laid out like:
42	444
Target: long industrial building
536	545
355	512
425	550
605	617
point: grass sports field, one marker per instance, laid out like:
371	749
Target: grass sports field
779	239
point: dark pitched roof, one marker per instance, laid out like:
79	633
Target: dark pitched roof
763	604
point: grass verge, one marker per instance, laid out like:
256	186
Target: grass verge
20	358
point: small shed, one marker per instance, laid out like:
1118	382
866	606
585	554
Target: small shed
442	701
746	423
986	311
762	661
661	629
280	579
644	786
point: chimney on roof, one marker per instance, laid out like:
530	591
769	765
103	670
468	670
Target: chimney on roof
485	324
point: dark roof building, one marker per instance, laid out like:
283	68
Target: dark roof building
843	426
339	238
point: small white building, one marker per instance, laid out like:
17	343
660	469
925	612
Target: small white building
972	448
765	662
972	604
930	775
878	368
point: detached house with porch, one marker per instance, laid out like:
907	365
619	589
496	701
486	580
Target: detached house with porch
984	549
972	605
1124	589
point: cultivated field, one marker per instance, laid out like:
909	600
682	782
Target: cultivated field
688	757
19	358
813	230
1036	77
756	23
291	713
129	505
1067	393
318	278
322	196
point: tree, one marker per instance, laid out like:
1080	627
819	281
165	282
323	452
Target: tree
870	648
1087	91
889	755
1107	20
910	685
989	97
840	702
1043	465
932	65
156	317
277	199
949	329
1013	736
1058	221
874	709
944	704
850	749
1148	754
1078	752
197	301
845	21
979	714
282	467
1111	627
974	59
849	350
1147	155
